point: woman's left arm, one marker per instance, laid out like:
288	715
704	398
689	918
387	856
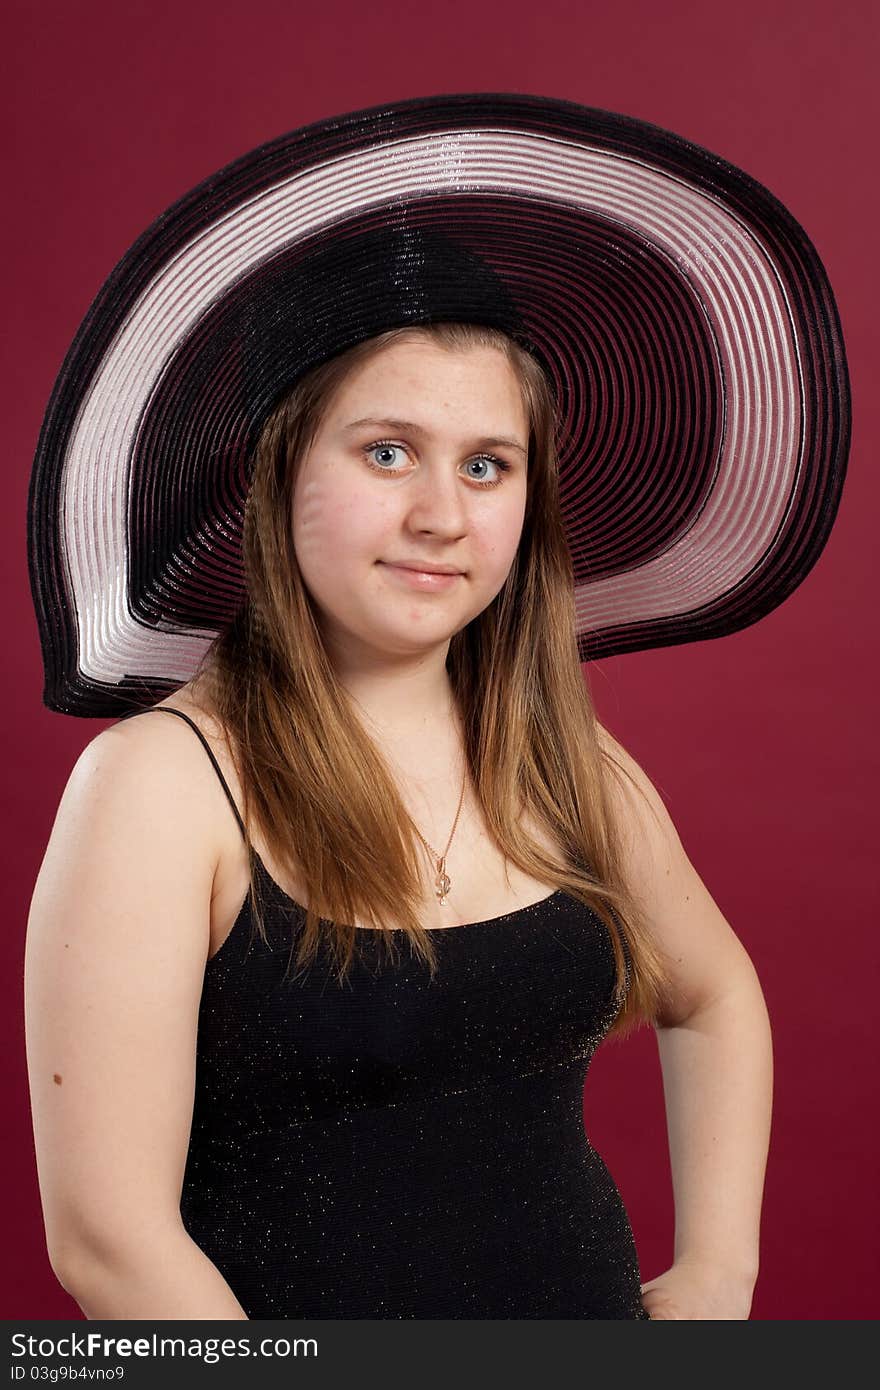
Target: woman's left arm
718	1084
716	1056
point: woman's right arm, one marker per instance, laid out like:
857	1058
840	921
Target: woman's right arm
117	938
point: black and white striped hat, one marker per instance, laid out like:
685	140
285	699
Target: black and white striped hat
682	314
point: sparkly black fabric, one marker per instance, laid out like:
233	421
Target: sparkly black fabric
404	1148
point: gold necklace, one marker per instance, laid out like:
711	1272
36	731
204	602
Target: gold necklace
443	882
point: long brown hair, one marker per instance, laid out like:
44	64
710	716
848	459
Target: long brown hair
318	786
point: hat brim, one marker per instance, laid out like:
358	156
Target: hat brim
685	318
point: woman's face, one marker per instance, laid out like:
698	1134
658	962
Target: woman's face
432	493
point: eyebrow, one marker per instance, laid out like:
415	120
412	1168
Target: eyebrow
488	441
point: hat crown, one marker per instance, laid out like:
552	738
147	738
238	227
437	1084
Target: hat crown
311	304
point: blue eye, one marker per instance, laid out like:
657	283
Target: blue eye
499	464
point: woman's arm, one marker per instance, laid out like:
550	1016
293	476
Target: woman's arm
718	1083
715	1051
117	938
162	1276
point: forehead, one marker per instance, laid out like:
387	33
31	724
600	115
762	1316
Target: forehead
432	387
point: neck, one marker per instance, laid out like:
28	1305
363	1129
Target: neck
398	721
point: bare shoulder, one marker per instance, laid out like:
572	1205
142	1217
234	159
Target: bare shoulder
194	704
704	956
133	849
158	760
152	730
635	799
648	837
149	733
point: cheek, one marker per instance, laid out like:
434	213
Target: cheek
330	521
497	536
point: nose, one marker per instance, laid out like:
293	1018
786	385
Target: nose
437	501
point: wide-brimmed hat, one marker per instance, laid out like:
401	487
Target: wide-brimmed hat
682	314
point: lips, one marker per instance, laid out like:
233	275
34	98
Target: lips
421	569
425	580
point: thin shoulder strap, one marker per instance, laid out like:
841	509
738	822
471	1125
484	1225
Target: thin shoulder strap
166	709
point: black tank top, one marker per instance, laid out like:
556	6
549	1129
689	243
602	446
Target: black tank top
398	1147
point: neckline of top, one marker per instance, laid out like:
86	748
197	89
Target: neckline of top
457	926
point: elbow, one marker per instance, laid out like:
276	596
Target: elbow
74	1258
67	1263
80	1258
73	1245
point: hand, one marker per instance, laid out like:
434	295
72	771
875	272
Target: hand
698	1289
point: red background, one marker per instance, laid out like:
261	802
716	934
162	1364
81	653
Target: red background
762	743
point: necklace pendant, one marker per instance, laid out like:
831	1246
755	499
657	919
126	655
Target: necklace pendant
444	883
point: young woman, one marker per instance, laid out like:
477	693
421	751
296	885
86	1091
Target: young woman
318	958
